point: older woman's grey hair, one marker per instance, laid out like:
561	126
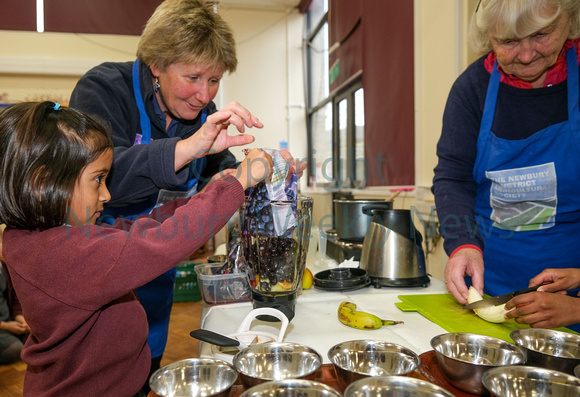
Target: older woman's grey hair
516	19
187	31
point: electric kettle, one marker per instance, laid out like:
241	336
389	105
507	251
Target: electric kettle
392	252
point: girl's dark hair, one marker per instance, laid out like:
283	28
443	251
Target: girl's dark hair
43	150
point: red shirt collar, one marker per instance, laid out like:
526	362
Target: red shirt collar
556	74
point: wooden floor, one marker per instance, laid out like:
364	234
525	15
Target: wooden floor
185	317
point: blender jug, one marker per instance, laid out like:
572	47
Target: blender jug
275	237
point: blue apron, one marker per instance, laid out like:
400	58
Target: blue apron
156	297
528	194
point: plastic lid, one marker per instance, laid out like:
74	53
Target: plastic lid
342	279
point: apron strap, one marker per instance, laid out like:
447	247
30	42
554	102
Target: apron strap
487	117
490	100
143	118
573	91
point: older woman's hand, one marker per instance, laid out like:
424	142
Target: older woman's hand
213	136
467	261
296	166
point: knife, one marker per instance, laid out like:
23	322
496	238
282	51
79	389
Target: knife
500	299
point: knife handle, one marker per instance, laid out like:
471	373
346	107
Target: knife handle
213	338
526	290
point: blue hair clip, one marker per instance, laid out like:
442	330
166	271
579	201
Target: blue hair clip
56	106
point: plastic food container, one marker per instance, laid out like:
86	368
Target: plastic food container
218	289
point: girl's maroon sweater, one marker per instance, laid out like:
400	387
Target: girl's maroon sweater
75	284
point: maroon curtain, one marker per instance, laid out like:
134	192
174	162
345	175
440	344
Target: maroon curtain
388	81
381	45
125	17
18	15
346	31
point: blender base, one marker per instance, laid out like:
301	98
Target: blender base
284	303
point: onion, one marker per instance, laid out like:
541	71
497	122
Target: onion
492	314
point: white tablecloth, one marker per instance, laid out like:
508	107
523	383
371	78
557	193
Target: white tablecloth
316	324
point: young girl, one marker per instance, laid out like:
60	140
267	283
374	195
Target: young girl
75	279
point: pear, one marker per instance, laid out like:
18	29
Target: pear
493	314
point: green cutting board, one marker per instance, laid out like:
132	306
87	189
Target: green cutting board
444	311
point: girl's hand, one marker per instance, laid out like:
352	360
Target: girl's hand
255	159
544	309
561	280
256	167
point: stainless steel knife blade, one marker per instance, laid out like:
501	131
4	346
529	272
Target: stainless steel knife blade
500	299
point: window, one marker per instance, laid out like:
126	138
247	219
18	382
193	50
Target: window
360	168
321	155
350	166
335	120
320	142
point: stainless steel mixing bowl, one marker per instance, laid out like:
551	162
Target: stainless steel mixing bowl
548	348
276	361
527	381
357	359
394	386
291	388
194	377
464	358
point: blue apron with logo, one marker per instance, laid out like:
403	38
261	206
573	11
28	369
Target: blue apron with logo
528	195
156	297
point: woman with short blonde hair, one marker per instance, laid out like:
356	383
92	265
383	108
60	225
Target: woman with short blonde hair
161	109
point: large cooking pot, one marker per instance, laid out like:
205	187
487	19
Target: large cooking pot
353	216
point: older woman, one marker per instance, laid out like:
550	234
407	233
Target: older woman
169	137
506	186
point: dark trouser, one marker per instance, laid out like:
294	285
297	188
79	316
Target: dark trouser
155	365
10	347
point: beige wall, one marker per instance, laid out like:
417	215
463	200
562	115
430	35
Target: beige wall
441	54
268	81
38	66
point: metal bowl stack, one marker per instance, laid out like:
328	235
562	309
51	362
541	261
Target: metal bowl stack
395	386
194	377
548	348
527	381
463	358
276	361
358	359
291	388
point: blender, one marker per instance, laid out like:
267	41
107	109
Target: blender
275	237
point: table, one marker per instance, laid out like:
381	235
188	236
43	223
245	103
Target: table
316	324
